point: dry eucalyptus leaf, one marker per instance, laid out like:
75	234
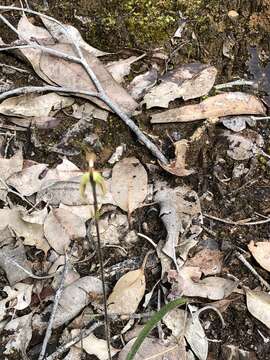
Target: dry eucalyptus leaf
152	348
11	253
11	166
244	146
195	336
180	212
26	31
88	111
178	165
18	298
188	81
209	261
258	304
188	283
73	76
33	105
129	184
64	171
68	193
113	228
261	251
61	227
176	321
94	346
127	293
121	68
32	234
21	330
235	123
67	33
74	354
85	212
142	83
28	181
231	103
35	217
75	297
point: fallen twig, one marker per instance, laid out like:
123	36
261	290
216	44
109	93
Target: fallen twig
83	334
101	92
239	222
240	82
54	309
252	270
14	68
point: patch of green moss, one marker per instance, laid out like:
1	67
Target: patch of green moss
133	23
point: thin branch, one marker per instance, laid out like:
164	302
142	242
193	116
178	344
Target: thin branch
252	270
39	89
14	68
148	239
54	309
29	272
83	334
238	223
240	82
102	93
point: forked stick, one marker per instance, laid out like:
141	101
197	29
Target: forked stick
101	94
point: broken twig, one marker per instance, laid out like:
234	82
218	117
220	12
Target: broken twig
82	61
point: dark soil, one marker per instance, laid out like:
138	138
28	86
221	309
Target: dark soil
236	199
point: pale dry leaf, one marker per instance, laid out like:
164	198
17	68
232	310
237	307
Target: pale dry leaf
34	105
64	171
231	103
113	228
195	336
121	68
28	181
27	31
209	261
67	192
32	234
235	123
180	211
74	354
11	166
69	34
178	165
188	283
17	298
188	81
129	184
11	253
85	212
258	304
43	122
261	252
142	83
127	293
176	321
244	146
88	111
152	348
75	297
94	346
73	76
35	217
21	330
61	227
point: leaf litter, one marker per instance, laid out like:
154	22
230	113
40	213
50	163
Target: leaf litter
55	220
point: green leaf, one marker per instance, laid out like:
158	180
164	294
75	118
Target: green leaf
151	324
